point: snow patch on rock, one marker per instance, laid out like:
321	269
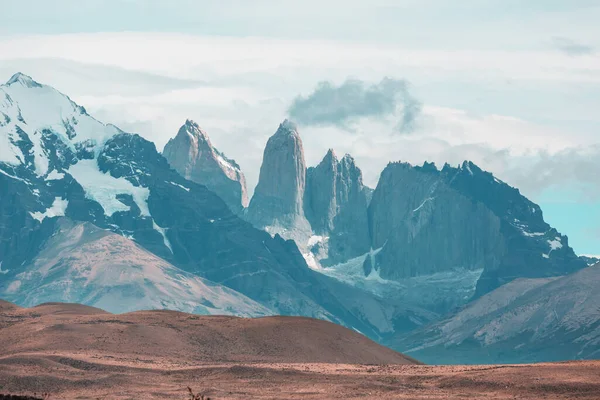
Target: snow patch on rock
57	209
555	244
163	233
5	271
180	186
423	203
455	287
224	162
314	239
55	176
104	188
13	177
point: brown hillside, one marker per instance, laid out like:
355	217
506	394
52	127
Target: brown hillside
169	335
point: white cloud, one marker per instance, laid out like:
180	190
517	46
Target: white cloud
180	56
239	89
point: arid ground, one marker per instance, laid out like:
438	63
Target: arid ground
77	352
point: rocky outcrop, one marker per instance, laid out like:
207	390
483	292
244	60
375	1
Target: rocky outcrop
335	204
277	203
191	154
427	221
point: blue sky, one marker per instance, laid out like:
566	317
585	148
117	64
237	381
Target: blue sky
410	22
512	85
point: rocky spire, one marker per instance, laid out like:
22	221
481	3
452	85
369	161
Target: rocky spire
277	204
320	204
336	206
192	154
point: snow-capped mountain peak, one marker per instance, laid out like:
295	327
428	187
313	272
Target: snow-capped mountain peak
39	125
25	80
45	137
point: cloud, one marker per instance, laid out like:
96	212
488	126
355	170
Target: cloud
77	78
171	77
573	171
354	99
571	47
576	169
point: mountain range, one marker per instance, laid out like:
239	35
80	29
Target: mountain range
60	164
439	262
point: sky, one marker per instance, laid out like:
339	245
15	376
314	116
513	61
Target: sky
512	85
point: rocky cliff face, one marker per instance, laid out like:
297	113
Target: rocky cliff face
191	154
320	200
428	221
277	203
335	203
424	227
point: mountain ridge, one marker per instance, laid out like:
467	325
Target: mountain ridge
119	182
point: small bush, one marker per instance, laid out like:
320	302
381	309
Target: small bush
195	396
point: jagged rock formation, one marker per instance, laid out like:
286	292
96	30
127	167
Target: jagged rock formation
335	203
418	222
428	221
460	225
277	203
192	155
